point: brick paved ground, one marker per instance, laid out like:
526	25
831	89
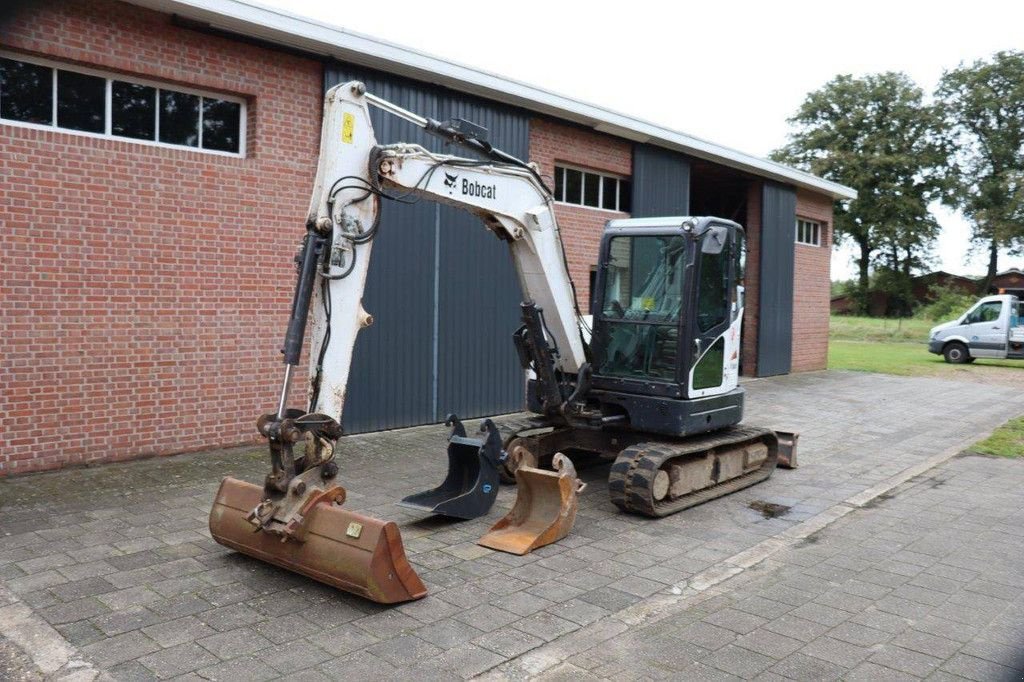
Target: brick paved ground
925	583
117	559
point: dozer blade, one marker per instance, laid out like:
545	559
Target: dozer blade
471	485
352	552
544	512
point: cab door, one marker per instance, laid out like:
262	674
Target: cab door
714	365
987	326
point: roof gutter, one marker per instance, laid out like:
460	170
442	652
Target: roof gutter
307	35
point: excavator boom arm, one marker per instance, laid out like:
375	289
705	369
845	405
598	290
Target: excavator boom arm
352	174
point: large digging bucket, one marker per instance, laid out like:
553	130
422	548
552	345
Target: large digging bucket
352	552
544	512
471	486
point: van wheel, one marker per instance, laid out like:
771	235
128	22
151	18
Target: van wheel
956	353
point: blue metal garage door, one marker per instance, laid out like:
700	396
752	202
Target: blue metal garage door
441	288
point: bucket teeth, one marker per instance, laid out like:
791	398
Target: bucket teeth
544	511
471	484
355	553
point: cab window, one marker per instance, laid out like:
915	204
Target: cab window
986	312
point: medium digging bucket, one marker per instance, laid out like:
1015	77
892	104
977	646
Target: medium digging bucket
471	486
352	552
544	512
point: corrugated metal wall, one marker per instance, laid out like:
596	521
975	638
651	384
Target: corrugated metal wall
661	182
775	304
441	288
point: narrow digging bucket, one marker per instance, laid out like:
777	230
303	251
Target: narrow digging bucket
544	511
355	553
471	485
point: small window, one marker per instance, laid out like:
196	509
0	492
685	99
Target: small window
609	193
573	186
808	232
179	118
134	110
594	190
81	101
26	92
591	190
93	103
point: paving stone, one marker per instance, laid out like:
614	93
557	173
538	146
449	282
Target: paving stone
706	635
860	635
293	656
769	643
801	667
736	620
467	660
905	660
486	617
113	650
171	633
836	651
521	603
230	617
77	589
979	669
132	671
740	661
578	611
871	672
79	609
399	651
178	660
234	643
508	641
447	633
246	668
926	644
545	625
819	613
80	633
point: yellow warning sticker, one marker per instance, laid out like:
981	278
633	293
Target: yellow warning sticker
348	127
647	303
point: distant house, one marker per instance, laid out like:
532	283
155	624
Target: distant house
1008	282
881	305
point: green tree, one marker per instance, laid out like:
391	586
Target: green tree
982	106
877	135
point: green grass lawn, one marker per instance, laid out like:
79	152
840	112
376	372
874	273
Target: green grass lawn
850	328
888	346
1006	441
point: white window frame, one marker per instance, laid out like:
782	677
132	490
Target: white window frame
561	167
814	227
111	76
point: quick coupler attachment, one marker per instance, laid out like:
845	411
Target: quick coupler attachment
471	485
544	512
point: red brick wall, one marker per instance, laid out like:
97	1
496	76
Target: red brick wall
752	226
145	289
581	228
811	286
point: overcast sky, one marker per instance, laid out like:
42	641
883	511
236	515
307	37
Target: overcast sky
730	72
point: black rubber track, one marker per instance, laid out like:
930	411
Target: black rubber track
631	480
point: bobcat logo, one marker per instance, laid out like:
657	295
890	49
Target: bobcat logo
449	181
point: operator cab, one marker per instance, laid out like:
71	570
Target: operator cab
669	303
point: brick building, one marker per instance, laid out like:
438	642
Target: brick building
157	157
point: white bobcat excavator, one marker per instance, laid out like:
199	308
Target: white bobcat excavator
654	385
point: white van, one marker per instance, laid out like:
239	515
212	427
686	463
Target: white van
993	328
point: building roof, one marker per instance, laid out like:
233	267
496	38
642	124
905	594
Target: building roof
309	35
